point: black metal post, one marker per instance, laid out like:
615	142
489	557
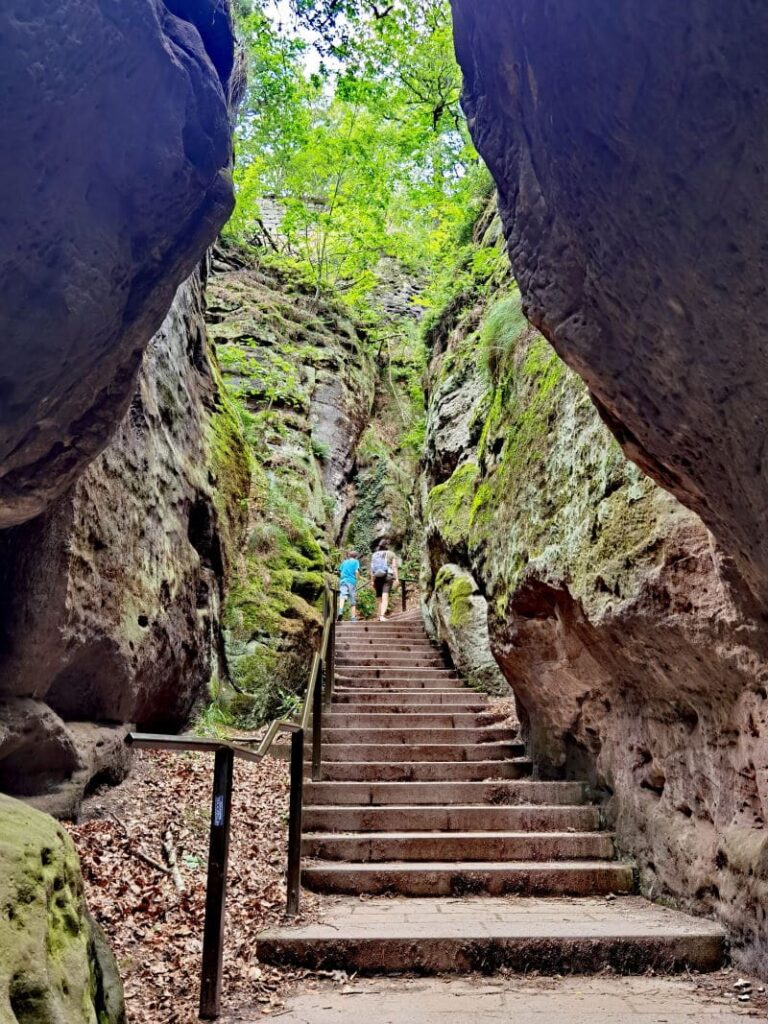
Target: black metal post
317	723
215	901
294	822
403	594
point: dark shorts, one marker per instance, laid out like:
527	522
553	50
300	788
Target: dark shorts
382	585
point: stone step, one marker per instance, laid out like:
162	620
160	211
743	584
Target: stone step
409	675
378	684
397	720
456	818
347	662
421	697
485	934
457	878
382	647
424	771
415	752
458	846
501	793
380	631
401	735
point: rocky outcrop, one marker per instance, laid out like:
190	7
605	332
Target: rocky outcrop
299	372
629	143
111	601
117	180
638	656
54	962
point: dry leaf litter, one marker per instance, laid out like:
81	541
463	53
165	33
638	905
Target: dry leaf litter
152	908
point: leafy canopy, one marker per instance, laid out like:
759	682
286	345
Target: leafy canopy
353	126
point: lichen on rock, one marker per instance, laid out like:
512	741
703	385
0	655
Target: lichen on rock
54	964
635	650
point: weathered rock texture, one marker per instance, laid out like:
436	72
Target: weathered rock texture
110	602
637	654
301	377
116	177
54	963
629	143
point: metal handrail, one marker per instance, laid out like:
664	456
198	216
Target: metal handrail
319	691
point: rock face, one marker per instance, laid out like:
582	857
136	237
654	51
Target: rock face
300	375
117	180
629	143
638	655
54	963
111	600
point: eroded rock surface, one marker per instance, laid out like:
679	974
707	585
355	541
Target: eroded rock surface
629	143
300	374
638	655
116	177
111	601
54	962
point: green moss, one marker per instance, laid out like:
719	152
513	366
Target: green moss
458	596
449	505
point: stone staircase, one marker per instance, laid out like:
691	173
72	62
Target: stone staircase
425	797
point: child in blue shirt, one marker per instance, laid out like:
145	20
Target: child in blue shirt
348	573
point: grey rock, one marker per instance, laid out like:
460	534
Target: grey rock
117	180
629	143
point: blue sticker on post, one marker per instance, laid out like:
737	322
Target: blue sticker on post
218	811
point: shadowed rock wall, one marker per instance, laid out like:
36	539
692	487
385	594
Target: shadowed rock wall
110	601
115	178
629	143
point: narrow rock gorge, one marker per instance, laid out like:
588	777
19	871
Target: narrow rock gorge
545	388
636	652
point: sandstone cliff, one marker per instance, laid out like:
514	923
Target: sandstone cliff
636	652
111	601
629	144
300	374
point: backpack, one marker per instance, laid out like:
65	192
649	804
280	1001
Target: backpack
380	565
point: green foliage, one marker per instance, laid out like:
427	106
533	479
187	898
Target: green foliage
368	155
503	324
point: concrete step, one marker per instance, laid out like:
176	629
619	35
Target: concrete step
415	752
392	735
397	720
485	934
457	697
458	846
456	818
501	793
424	771
457	878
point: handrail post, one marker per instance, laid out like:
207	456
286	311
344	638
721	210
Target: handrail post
317	724
215	902
330	673
404	595
295	813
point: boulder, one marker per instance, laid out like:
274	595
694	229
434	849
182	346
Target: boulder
629	143
117	180
54	962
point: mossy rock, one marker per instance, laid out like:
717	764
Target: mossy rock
54	963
